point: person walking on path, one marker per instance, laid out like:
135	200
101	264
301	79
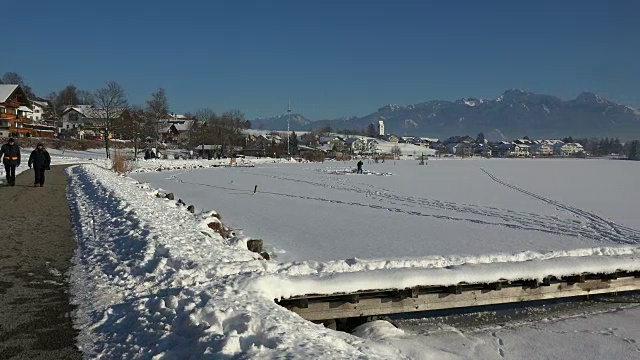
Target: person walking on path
359	171
40	160
10	153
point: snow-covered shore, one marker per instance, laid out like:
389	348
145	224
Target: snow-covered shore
151	280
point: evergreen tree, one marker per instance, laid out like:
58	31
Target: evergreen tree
616	146
633	153
371	131
293	143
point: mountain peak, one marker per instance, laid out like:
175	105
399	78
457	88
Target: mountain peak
589	97
390	107
470	101
512	94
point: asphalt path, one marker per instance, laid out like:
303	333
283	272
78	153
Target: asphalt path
36	246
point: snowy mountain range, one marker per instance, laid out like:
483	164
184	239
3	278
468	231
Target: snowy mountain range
513	114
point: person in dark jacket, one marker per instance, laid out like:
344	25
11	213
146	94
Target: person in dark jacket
359	171
41	161
10	153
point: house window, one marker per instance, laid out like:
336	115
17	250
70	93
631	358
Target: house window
67	126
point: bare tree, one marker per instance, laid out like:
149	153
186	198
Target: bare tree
133	125
157	109
201	131
85	97
12	78
15	78
396	151
52	112
111	101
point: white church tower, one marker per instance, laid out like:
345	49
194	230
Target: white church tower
381	127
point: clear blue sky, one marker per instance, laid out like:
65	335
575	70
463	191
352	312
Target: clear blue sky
332	58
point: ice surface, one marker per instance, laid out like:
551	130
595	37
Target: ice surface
325	212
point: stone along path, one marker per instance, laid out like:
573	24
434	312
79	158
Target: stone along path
36	246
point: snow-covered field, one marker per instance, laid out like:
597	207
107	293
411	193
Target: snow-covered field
151	280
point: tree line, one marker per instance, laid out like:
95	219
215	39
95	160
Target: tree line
607	146
139	123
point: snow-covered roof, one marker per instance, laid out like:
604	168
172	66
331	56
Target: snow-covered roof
91	112
272	137
325	139
82	109
326	147
184	125
6	91
539	144
24	108
432	140
40	103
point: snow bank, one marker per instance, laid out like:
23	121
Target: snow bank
279	286
167	165
377	330
149	283
430	262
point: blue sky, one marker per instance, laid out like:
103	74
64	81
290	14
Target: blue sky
332	58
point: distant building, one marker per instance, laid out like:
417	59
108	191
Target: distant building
392	138
541	149
567	149
509	149
38	107
86	121
381	128
177	131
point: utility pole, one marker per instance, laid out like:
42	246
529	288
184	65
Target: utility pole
288	133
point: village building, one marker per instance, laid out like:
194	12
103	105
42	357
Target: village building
541	149
38	107
510	149
177	131
85	121
14	112
567	149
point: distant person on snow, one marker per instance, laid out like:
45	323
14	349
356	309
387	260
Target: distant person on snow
41	161
10	153
359	171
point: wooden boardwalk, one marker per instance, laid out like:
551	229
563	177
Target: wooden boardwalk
393	301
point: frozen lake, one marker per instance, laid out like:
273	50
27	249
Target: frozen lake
399	209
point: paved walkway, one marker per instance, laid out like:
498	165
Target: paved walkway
36	246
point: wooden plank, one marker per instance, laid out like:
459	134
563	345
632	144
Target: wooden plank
456	297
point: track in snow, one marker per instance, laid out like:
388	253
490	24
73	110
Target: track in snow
592	227
614	232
